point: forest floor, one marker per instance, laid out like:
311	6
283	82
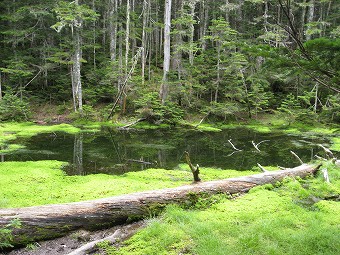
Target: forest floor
75	240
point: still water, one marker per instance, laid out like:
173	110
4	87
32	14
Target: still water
117	152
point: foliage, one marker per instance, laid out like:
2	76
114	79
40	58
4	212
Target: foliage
6	236
150	107
13	108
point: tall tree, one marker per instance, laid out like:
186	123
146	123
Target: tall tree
164	90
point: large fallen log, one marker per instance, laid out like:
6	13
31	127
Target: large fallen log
50	221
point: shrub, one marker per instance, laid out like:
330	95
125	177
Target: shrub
12	108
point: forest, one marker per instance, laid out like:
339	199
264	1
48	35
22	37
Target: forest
166	60
156	127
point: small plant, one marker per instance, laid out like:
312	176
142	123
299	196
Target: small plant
6	236
12	108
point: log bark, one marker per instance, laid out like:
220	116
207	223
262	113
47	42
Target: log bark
50	221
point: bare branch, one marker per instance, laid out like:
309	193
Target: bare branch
233	145
256	145
262	168
297	157
328	152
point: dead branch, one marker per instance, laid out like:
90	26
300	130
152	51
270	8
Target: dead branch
262	168
297	157
328	152
202	120
90	246
256	145
233	145
195	170
132	124
139	161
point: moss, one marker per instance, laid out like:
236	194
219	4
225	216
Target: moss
267	220
336	144
43	182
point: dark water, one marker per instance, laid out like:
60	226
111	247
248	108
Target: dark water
116	152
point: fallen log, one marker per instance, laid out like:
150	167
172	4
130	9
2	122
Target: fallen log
51	221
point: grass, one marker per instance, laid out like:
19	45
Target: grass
267	220
43	182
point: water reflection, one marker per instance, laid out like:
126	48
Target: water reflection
111	151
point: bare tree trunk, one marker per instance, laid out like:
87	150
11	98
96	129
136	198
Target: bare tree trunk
164	90
176	61
204	16
127	36
113	29
50	221
76	67
144	42
310	16
192	5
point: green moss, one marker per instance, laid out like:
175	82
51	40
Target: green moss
11	131
43	182
267	220
336	144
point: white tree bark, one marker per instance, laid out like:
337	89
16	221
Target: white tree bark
166	64
76	67
113	29
310	16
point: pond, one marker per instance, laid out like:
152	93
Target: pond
116	152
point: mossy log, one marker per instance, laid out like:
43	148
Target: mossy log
50	221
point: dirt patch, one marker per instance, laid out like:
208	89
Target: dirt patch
75	240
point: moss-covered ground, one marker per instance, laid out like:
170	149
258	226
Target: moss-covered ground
292	218
44	182
11	131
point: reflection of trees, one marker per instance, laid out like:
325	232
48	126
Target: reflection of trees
78	154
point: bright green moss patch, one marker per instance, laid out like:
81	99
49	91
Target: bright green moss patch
43	182
336	144
11	131
267	220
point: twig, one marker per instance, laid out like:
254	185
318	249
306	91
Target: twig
232	153
327	151
139	161
256	145
202	120
262	168
320	158
297	157
89	246
233	145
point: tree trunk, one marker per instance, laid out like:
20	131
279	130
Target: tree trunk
50	221
76	74
113	29
310	17
166	64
